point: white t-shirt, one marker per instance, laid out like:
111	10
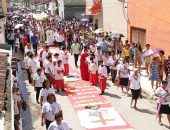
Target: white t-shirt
64	58
97	55
29	50
93	68
55	126
32	63
48	66
105	60
160	91
50	110
44	93
39	79
16	99
58	76
26	62
124	70
44	55
112	63
134	82
103	71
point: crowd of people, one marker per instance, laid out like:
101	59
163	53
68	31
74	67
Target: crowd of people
105	57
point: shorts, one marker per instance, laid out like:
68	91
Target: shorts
124	81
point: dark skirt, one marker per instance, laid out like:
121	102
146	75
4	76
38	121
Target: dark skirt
124	81
164	109
135	93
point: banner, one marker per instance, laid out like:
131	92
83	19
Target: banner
93	7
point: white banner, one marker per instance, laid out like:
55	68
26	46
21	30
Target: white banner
103	117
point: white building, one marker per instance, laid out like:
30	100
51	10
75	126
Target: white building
113	16
61	8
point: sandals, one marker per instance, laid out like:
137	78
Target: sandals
160	123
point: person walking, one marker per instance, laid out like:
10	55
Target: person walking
11	38
124	75
38	80
34	40
154	72
163	102
58	124
113	61
49	109
135	87
102	77
75	49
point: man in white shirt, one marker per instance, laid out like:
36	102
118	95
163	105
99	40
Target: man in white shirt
38	80
26	58
75	49
113	62
32	65
45	54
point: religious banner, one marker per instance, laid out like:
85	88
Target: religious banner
103	117
93	7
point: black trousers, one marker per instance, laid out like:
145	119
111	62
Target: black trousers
35	47
108	70
69	46
76	57
38	93
113	75
11	42
29	76
48	123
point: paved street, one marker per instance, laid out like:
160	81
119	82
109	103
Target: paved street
142	119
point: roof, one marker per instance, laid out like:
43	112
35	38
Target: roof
75	2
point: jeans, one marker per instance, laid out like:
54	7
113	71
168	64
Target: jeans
38	93
113	75
76	56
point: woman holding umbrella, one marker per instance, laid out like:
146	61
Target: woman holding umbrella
163	101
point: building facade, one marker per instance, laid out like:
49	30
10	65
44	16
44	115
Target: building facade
149	22
74	8
113	16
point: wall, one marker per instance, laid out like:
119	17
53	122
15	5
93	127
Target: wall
115	16
154	16
100	20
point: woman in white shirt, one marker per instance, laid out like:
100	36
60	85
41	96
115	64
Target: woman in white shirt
49	109
124	75
135	87
163	101
47	89
58	124
38	80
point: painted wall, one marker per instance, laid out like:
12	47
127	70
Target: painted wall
154	16
115	16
